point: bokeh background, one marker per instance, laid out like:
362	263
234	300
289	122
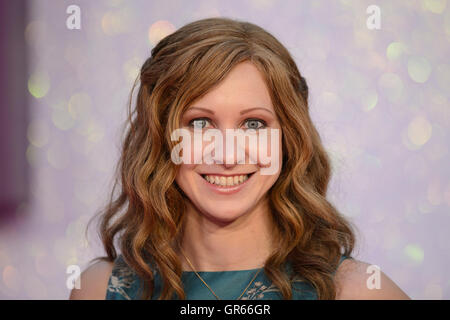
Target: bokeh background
379	98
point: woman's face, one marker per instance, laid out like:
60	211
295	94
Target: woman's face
226	191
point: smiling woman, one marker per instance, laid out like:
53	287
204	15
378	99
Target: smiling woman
224	230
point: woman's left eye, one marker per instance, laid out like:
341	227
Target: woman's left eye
254	124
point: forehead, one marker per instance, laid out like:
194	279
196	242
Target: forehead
243	87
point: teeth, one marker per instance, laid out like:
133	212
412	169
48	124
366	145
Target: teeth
226	181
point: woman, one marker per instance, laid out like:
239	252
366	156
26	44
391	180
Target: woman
225	230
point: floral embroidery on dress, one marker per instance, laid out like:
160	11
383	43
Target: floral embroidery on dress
122	278
259	289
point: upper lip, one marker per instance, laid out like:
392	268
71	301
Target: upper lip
227	175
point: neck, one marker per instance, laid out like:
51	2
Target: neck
242	244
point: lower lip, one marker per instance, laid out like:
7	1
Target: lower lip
227	190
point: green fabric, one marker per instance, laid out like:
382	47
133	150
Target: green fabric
124	284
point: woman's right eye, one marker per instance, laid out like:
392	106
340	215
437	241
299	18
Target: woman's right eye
199	123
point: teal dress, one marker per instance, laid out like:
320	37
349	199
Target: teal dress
124	284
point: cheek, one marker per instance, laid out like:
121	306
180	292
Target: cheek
185	177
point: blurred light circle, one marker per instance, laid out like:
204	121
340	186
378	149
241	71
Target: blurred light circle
159	30
117	22
435	6
11	278
131	69
32	155
263	4
64	251
92	129
414	252
39	84
62	119
419	131
80	105
395	50
419	69
38	133
35	33
368	99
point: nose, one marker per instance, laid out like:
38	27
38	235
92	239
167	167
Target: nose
233	151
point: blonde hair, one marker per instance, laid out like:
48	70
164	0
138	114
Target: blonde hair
147	217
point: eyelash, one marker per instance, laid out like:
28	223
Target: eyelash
264	124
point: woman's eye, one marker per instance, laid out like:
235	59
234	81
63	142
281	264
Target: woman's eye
255	124
200	123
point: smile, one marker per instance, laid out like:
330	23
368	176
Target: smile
227	184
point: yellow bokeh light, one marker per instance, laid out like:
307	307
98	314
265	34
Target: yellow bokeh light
62	119
369	100
263	4
80	105
92	129
39	84
63	250
419	131
395	50
117	22
414	253
419	69
160	30
435	6
131	69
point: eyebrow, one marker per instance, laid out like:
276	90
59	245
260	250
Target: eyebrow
242	112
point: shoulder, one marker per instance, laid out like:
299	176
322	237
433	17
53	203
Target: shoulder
93	281
358	280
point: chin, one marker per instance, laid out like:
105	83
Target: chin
223	214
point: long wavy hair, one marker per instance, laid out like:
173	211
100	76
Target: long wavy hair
146	219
